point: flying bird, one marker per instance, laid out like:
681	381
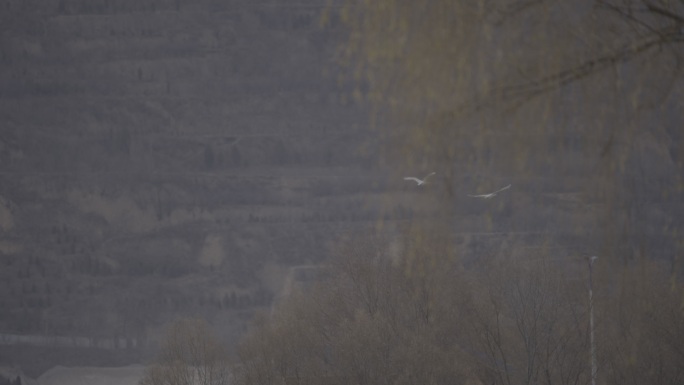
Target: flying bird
420	182
490	195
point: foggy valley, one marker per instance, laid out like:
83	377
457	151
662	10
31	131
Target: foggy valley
302	187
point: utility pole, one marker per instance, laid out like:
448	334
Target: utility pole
592	343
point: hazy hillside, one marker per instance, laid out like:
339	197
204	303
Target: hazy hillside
164	158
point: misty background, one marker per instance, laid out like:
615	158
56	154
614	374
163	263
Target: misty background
168	159
162	159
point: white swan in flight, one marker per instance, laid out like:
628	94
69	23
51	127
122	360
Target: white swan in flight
490	195
420	182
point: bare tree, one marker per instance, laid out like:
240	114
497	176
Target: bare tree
643	342
416	315
420	318
190	355
376	319
527	325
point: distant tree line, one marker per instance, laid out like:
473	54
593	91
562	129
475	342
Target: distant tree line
9	381
114	6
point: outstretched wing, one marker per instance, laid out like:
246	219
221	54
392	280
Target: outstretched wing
413	179
428	175
490	195
500	190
